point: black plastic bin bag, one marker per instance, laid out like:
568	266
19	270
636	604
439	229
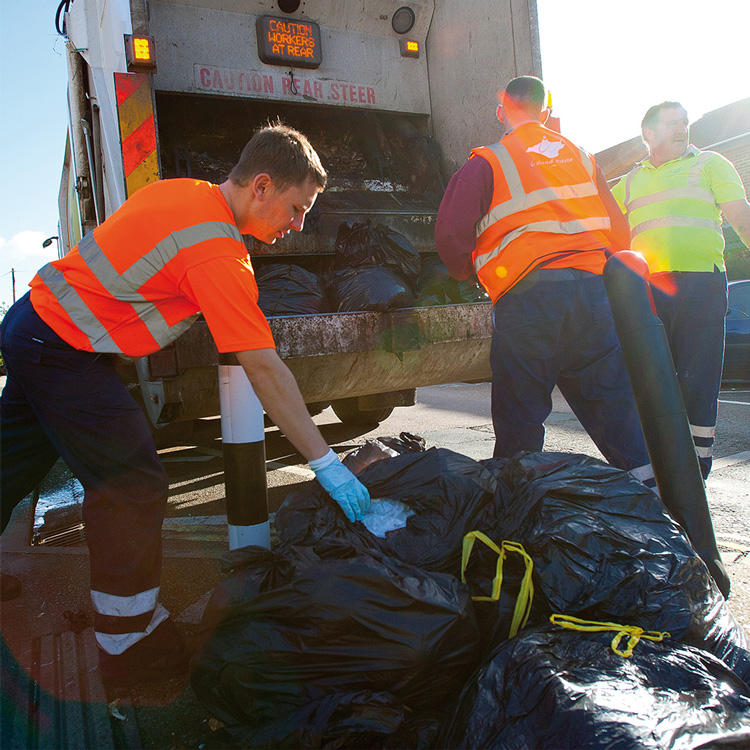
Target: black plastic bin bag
605	548
364	244
450	495
368	288
300	647
288	289
554	689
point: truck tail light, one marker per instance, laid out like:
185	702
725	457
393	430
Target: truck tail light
409	48
139	52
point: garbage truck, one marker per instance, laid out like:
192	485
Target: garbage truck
392	96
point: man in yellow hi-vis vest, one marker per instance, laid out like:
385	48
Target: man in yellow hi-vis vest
673	202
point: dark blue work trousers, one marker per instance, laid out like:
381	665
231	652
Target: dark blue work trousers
693	307
555	327
59	401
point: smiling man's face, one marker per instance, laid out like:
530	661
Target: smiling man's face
669	137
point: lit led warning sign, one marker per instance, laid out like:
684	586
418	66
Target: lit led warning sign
288	42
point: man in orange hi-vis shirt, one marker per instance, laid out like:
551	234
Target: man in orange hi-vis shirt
131	287
533	218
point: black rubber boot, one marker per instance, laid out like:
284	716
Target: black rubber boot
160	655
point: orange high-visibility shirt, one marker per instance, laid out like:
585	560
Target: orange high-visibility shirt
138	281
545	209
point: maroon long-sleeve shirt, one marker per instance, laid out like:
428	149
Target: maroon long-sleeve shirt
467	199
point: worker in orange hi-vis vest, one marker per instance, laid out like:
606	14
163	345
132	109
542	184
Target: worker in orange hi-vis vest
131	287
532	216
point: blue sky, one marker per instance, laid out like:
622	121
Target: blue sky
605	62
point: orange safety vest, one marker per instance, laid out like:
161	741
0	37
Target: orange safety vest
119	290
545	210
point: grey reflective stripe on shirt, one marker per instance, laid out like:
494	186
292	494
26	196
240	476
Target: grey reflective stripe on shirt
692	187
628	180
674	221
694	175
697	193
576	226
124	287
535	198
588	162
78	311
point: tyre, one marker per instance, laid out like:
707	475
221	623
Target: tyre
314	408
347	410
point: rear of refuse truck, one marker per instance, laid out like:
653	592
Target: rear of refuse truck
391	96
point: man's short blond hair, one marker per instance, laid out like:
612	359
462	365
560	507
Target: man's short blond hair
281	152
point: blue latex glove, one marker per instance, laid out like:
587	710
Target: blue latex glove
342	485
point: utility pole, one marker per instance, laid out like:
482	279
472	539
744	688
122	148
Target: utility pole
13	277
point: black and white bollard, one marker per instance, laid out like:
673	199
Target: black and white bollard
244	447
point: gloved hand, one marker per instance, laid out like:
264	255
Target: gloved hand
342	485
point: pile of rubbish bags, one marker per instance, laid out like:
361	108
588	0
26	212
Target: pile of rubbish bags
544	601
374	268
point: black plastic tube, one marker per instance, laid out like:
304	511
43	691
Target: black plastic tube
660	406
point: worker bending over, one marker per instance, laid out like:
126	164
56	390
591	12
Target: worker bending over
131	287
533	217
673	202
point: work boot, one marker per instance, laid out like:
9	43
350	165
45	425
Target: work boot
10	587
160	655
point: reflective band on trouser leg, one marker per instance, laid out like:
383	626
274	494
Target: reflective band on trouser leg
243	439
703	437
645	475
121	621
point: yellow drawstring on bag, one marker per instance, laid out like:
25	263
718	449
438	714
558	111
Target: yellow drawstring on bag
526	593
633	632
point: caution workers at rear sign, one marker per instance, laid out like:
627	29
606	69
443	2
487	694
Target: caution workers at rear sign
285	42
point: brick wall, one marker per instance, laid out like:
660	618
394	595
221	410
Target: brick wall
738	153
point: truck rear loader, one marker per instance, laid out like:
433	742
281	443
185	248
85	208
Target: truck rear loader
391	95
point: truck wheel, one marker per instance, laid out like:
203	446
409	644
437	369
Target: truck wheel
348	411
314	408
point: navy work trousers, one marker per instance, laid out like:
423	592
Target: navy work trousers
555	327
693	307
59	401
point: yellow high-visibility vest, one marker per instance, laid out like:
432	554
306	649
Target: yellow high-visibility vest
674	210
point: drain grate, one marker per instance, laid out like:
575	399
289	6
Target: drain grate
71	536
